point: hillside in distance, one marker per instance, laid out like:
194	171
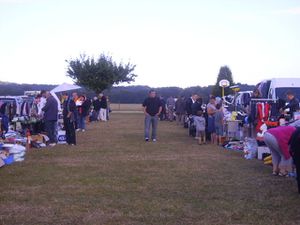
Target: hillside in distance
118	94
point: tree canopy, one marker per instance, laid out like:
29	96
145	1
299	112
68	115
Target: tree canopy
99	74
224	73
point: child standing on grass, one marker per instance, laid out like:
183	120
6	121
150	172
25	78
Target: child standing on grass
211	110
200	128
219	124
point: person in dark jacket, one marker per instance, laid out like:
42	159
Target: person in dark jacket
197	106
4	117
69	108
152	108
83	110
180	110
75	98
190	101
103	108
293	104
295	153
50	118
163	113
96	106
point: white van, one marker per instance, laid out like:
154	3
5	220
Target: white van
277	88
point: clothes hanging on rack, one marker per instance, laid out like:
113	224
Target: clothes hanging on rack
25	109
263	113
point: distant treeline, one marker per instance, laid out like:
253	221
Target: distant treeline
136	94
121	94
19	89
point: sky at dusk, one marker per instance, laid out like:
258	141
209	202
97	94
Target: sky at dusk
172	43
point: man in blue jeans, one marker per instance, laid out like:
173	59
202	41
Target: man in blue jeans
152	108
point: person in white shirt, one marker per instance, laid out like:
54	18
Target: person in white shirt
41	104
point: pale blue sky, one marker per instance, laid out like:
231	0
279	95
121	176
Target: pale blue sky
173	43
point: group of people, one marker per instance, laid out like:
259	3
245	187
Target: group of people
209	121
283	141
76	111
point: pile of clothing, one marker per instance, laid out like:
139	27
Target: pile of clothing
234	145
12	137
250	148
11	153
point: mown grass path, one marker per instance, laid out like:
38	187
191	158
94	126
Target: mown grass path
113	177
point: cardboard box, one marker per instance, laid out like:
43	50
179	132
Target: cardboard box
61	137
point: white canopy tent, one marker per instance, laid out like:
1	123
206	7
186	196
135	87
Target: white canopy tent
63	88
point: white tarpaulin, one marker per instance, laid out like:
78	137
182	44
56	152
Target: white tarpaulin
65	87
61	88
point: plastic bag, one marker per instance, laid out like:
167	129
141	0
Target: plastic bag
250	148
15	149
9	160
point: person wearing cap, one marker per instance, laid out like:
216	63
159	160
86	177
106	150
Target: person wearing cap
293	104
69	108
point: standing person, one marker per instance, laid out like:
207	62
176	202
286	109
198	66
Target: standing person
180	110
200	128
294	143
293	104
163	114
170	106
108	110
96	105
152	107
41	105
199	120
76	113
211	110
103	108
4	114
83	110
69	108
34	113
50	118
219	123
188	105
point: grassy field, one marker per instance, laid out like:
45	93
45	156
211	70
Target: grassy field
126	107
113	177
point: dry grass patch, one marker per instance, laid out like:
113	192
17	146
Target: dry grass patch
115	107
114	177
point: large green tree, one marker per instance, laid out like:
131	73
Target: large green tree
224	73
99	74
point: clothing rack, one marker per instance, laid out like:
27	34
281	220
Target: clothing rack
263	100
